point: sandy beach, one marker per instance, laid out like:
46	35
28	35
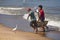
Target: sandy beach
6	33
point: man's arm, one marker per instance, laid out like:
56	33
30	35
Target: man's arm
38	16
28	16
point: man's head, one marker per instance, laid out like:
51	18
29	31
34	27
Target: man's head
40	7
29	9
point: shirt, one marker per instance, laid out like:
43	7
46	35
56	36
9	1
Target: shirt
32	16
41	12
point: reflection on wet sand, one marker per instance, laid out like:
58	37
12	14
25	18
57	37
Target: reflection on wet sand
42	34
53	34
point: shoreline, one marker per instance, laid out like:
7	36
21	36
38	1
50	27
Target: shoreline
7	34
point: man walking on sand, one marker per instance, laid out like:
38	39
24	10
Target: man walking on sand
33	22
41	15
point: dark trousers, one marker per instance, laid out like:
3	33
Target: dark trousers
33	24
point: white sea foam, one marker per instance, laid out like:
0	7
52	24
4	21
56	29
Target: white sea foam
53	23
9	10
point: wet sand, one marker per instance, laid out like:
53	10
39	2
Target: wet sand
6	33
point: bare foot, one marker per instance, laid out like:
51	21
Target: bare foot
36	31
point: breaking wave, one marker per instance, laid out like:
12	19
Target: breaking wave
10	10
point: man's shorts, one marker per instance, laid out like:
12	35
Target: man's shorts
33	23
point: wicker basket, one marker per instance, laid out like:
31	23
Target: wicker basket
39	23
